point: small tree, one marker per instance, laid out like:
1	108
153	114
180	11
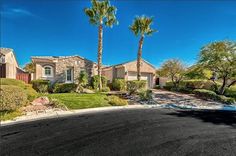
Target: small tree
30	67
174	69
83	78
220	58
197	72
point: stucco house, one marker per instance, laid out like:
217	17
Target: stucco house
9	67
128	71
62	69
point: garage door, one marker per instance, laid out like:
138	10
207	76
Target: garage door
144	76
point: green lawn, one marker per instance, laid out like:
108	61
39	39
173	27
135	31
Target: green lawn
9	115
80	101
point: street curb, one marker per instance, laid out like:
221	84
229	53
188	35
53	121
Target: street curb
58	114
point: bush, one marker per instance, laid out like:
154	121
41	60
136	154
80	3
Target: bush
64	87
12	97
119	84
226	100
31	93
157	87
83	78
41	86
95	82
105	89
145	95
116	101
57	104
135	86
207	94
231	92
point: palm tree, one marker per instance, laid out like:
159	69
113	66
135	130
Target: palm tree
101	13
141	26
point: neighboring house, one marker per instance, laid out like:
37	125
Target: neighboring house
9	67
128	71
63	69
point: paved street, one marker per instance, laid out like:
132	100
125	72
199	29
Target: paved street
142	131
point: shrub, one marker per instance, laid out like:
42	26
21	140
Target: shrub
58	104
95	82
116	101
83	78
119	84
205	94
64	87
145	95
41	86
105	89
226	100
135	86
12	97
157	87
31	93
231	92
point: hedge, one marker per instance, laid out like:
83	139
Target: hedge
207	94
41	86
64	87
12	97
31	93
95	82
119	84
135	86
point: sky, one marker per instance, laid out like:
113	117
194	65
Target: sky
60	28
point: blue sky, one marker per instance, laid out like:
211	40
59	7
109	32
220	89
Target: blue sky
60	27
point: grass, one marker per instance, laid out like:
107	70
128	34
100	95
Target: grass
80	101
9	115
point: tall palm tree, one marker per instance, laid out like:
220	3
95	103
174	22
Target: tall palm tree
101	13
141	27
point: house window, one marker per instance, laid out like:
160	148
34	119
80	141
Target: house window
48	72
69	75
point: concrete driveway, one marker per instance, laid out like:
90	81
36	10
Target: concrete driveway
142	131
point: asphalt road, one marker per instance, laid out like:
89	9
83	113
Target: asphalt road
125	132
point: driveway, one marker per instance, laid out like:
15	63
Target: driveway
141	131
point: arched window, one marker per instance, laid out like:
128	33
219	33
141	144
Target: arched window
48	71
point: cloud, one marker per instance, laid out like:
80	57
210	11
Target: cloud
15	12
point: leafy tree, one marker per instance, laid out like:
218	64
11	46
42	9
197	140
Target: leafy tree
197	72
141	26
99	14
174	69
30	67
83	78
220	58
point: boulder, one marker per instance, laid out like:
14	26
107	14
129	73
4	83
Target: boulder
87	91
41	101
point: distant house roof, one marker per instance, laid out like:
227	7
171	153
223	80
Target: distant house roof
5	51
127	63
51	58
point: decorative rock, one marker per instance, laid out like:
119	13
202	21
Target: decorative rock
41	101
88	91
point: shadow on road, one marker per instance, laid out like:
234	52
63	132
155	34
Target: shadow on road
215	117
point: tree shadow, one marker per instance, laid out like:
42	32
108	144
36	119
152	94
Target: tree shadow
213	116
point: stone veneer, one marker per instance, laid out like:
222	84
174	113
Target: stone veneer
60	65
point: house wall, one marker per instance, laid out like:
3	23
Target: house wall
11	65
120	72
108	73
60	65
145	67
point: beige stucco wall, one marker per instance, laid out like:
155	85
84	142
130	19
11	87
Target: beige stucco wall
120	72
145	67
108	73
11	65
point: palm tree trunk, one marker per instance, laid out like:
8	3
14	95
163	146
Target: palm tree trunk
139	57
100	34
